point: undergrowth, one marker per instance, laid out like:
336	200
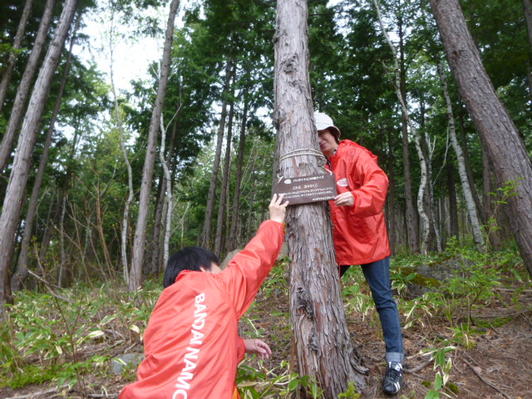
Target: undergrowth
63	339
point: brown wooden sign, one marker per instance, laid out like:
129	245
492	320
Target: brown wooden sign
306	189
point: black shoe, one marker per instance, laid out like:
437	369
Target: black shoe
393	380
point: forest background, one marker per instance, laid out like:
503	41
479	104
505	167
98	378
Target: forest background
88	210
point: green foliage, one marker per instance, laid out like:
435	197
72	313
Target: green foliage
45	338
351	392
276	383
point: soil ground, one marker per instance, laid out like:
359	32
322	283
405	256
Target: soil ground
496	366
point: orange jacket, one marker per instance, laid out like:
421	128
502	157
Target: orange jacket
191	345
359	231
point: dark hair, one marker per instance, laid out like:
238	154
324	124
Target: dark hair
189	258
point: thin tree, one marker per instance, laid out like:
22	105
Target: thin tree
235	211
220	220
504	145
21	270
322	342
147	172
16	187
17	41
412	225
471	207
24	87
423	185
118	121
206	232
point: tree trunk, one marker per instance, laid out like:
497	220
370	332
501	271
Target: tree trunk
17	41
167	184
453	208
428	146
62	262
211	197
527	5
425	222
412	223
19	105
156	242
137	259
22	162
472	210
22	263
235	220
506	150
220	221
324	348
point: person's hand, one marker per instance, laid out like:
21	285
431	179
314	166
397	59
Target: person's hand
258	347
345	199
277	208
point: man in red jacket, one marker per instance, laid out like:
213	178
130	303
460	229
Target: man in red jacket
359	232
191	345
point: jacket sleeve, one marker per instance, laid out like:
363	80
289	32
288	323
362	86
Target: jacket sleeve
248	269
370	197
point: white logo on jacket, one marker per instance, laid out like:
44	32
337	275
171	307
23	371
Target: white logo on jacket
343	182
192	353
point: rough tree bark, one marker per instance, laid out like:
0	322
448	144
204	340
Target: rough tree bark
324	348
10	216
22	263
19	104
137	258
17	41
505	148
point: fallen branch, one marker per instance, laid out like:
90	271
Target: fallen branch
49	287
37	394
417	368
485	381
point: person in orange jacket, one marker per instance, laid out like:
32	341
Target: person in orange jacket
359	232
191	344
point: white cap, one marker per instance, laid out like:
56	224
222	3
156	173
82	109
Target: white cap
323	122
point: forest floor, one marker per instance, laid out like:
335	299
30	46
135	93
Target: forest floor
490	360
496	364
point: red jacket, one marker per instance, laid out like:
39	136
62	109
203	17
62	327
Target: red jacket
191	345
359	231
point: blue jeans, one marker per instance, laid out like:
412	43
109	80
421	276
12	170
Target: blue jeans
377	275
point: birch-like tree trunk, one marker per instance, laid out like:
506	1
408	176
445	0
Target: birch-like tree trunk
139	244
472	210
323	345
17	41
167	187
19	104
453	208
118	121
424	219
505	148
412	224
62	262
21	270
211	197
10	216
